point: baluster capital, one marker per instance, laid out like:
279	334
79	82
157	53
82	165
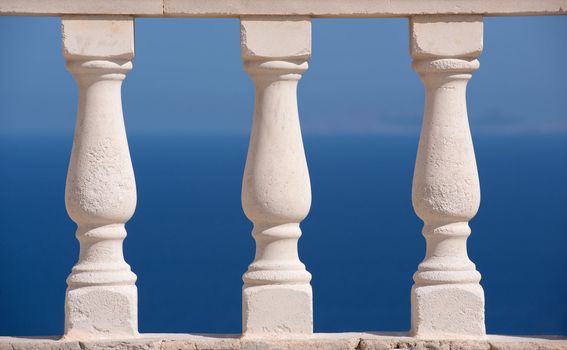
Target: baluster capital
275	38
98	47
445	48
434	37
98	37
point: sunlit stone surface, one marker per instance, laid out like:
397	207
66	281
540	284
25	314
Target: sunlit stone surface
336	341
447	299
100	195
276	193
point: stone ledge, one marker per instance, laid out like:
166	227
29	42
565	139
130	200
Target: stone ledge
320	341
361	8
81	7
321	8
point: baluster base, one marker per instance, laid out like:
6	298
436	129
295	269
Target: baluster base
448	311
277	309
101	312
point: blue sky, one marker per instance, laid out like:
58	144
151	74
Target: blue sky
187	77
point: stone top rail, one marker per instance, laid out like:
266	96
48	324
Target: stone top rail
312	8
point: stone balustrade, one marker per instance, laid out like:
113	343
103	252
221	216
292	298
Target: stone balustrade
447	300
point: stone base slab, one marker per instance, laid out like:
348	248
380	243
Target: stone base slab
457	309
320	341
277	310
101	312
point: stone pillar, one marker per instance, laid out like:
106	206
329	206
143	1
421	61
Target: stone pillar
276	193
447	299
100	196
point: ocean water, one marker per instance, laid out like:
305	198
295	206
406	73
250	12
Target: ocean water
189	241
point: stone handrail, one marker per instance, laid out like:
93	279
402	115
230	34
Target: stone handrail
446	39
312	8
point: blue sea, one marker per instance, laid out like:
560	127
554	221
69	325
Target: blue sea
189	241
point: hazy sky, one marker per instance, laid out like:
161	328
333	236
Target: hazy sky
187	77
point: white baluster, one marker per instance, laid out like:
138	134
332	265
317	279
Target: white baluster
101	300
447	299
276	193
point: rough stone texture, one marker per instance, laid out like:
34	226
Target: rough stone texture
447	299
37	343
326	8
101	311
448	310
276	192
446	36
360	8
332	341
100	194
202	342
130	344
258	37
278	308
82	7
98	36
